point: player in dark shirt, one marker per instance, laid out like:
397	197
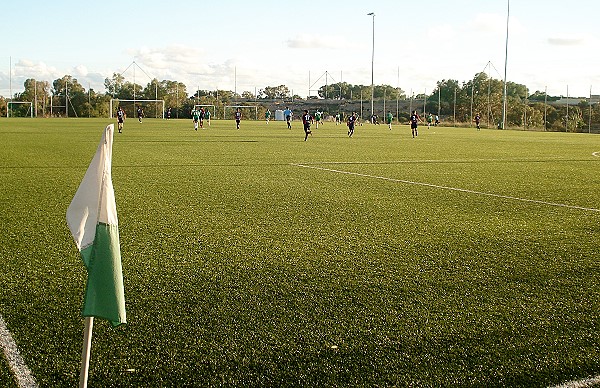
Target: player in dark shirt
350	123
201	118
414	123
306	120
140	113
120	118
238	117
477	121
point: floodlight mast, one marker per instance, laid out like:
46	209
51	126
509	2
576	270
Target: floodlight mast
372	63
505	65
9	81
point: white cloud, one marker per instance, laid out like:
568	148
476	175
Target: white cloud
488	23
169	57
566	41
79	71
30	69
308	41
441	32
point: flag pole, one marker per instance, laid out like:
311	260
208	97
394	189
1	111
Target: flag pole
85	354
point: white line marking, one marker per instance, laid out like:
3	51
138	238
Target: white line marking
15	361
585	383
411	161
596	154
449	188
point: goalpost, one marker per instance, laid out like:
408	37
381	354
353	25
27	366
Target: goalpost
9	103
214	112
135	102
241	106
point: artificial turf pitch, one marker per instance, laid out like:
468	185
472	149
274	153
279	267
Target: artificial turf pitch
253	258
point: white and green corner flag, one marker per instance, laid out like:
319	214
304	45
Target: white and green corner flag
92	220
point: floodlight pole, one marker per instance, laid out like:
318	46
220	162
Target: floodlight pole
590	116
505	65
134	84
361	104
66	97
439	100
489	114
525	109
341	77
567	118
9	84
545	108
398	96
454	115
372	63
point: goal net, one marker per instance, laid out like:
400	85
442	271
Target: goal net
151	108
234	107
23	109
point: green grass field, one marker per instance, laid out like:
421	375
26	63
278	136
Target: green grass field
253	258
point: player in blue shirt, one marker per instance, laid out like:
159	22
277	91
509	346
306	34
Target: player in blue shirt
287	113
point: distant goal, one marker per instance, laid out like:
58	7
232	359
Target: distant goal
234	107
9	108
152	108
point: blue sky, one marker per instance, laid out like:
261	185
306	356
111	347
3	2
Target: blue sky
247	45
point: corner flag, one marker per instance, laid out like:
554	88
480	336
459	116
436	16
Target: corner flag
92	220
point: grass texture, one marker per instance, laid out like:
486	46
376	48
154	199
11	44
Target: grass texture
253	258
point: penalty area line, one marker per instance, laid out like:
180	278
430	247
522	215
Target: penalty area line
448	188
13	357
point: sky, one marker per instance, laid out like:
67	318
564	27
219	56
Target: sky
242	45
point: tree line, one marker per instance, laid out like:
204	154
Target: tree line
455	102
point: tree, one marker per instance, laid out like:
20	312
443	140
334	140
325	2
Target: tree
3	107
36	92
176	96
114	84
535	115
68	92
202	93
444	94
248	95
276	92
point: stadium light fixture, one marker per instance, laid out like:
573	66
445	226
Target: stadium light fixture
372	62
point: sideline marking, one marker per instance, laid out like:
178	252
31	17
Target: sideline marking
585	383
449	188
15	361
596	154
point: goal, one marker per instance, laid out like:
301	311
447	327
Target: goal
214	109
9	108
255	107
154	108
